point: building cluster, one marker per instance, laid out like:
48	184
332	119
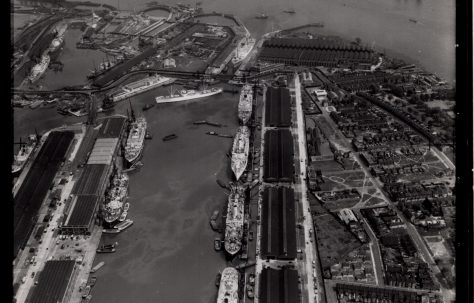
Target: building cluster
356	267
364	80
402	265
350	293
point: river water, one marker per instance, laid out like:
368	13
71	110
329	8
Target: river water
167	255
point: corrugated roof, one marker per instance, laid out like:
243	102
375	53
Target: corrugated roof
53	282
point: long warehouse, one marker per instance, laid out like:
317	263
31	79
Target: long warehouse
277	107
279	286
278	156
278	225
53	282
34	188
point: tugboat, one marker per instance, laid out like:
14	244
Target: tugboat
217	244
170	137
218	279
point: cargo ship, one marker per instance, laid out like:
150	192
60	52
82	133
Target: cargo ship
115	198
229	286
38	70
140	86
243	50
185	95
23	155
59	39
136	140
235	221
245	103
240	151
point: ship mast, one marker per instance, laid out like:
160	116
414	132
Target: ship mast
131	110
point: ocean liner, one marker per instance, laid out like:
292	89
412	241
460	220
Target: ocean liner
115	198
140	86
184	95
23	155
243	50
240	151
245	103
235	221
228	286
136	140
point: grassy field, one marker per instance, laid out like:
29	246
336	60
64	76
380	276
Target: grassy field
334	240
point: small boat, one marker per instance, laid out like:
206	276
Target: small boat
261	16
218	279
213	220
124	225
217	244
170	137
199	122
148	106
289	11
148	136
222	184
97	267
105	250
413	20
111	231
123	216
126	207
250	292
212	133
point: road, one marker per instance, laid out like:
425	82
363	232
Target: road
310	252
374	250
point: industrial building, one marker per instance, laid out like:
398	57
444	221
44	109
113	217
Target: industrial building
37	182
278	156
279	286
278	224
277	107
82	217
53	282
89	190
315	52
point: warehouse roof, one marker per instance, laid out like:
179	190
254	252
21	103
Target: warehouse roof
53	282
278	225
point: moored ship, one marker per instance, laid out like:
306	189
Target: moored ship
228	286
185	95
240	151
245	103
59	39
38	70
234	221
243	50
23	155
115	198
141	86
136	140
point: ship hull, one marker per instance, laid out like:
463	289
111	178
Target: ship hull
188	97
240	151
132	160
144	89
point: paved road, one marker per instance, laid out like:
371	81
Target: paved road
374	249
310	253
